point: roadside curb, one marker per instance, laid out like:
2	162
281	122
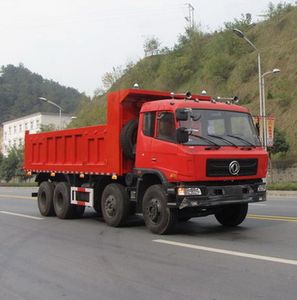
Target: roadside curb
282	193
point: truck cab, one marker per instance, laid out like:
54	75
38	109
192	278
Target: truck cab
207	154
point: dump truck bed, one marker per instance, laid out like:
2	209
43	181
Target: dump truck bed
82	150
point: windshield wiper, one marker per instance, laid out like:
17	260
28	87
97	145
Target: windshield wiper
241	139
205	139
225	140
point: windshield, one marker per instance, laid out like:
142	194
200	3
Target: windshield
223	128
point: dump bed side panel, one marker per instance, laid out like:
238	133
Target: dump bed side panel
83	150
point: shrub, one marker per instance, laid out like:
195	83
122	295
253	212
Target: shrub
11	165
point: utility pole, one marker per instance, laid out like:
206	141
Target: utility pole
190	17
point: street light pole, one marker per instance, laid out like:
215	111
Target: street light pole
242	35
274	71
260	96
56	105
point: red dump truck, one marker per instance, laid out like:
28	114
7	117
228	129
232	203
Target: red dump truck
169	157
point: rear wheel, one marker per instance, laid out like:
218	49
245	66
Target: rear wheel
45	199
115	205
63	208
157	216
232	215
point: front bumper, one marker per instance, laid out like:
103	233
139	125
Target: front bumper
212	196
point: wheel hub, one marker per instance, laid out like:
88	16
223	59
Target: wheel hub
110	206
154	210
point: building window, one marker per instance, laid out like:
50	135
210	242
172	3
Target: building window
20	142
5	136
37	124
31	125
14	129
26	126
9	129
20	128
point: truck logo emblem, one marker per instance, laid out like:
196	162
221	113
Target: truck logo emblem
234	167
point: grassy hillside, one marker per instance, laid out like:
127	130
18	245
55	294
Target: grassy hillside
225	65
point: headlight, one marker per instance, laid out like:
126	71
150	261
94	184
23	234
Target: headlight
189	191
262	188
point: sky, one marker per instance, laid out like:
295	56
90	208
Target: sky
75	42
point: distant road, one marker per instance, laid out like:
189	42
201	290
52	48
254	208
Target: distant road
49	258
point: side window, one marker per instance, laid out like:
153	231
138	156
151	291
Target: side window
148	127
166	126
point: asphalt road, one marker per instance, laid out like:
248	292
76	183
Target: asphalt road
48	258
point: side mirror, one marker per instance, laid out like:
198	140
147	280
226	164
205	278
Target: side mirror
181	114
182	135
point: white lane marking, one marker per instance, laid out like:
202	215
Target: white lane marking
20	215
228	252
257	204
17	197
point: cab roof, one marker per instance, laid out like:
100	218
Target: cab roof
150	100
173	104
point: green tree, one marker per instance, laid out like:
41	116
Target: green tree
11	165
110	78
49	127
276	10
151	46
243	23
280	144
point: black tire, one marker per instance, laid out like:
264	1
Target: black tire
157	216
78	211
45	199
128	139
232	215
115	205
184	219
63	208
98	210
132	208
98	190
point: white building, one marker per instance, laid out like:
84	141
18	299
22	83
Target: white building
14	130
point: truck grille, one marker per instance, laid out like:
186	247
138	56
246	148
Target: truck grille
221	167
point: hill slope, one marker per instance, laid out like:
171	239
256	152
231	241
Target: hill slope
20	89
225	65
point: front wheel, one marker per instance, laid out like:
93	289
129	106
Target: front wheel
232	215
157	216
